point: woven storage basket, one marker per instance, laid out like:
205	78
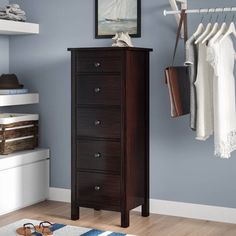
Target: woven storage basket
18	136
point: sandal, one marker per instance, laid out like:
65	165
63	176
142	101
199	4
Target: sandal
28	229
44	228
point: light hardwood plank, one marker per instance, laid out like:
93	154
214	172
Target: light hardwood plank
155	225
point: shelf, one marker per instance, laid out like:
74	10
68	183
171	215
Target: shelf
23	158
19	99
8	27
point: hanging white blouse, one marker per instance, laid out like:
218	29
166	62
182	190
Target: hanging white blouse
221	55
204	94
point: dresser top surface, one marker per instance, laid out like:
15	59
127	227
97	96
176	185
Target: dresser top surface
110	49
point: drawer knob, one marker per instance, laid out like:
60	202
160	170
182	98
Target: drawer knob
97	188
97	122
97	155
97	64
97	90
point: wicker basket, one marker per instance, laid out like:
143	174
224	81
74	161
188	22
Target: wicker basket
18	136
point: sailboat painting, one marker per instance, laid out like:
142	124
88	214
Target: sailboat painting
113	16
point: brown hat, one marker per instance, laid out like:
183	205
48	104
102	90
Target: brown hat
9	81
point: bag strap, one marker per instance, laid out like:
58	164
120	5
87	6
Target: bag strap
183	21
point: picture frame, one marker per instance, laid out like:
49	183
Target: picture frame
113	16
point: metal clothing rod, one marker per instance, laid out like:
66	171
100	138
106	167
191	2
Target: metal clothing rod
202	10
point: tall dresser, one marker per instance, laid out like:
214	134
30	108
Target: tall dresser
110	130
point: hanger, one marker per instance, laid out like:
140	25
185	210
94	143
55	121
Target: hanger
205	33
213	31
220	32
200	28
231	30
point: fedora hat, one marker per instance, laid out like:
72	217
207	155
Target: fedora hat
9	81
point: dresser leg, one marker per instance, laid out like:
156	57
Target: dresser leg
145	209
125	219
75	212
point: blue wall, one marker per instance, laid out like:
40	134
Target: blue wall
182	169
4	48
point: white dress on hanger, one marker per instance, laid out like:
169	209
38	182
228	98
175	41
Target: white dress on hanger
221	55
204	91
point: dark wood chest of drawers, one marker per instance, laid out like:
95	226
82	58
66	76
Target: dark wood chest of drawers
110	130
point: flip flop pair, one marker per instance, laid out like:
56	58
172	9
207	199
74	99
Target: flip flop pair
28	229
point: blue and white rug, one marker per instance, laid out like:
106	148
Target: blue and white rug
58	230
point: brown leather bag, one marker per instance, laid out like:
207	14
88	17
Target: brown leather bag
177	78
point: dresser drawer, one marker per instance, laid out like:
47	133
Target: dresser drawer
98	64
98	155
101	123
99	89
98	188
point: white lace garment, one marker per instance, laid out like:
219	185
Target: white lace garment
221	55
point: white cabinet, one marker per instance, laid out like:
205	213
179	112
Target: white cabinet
24	179
24	176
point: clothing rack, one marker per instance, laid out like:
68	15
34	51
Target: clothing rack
202	11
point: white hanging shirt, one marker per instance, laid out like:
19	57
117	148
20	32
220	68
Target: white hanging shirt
221	56
204	92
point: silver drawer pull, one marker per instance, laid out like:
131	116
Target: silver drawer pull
97	188
97	90
97	64
97	122
97	155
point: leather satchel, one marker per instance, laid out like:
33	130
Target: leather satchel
177	78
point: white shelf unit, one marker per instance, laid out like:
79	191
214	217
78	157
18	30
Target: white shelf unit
8	27
19	99
24	179
24	176
21	158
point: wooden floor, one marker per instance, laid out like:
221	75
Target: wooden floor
155	225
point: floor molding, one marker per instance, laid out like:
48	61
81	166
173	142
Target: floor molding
170	208
59	195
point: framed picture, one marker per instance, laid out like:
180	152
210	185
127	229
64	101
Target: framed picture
112	16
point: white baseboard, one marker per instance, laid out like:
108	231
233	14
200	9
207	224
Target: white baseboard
180	209
193	211
59	195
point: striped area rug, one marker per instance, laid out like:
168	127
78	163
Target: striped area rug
58	230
